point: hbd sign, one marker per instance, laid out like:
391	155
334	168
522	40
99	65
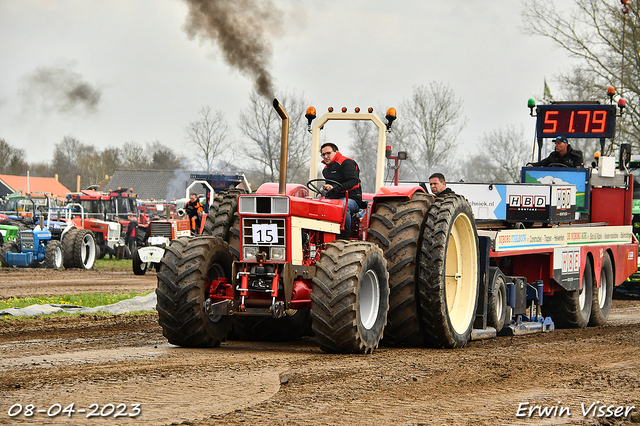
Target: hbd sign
528	201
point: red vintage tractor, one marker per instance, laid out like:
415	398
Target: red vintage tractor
274	268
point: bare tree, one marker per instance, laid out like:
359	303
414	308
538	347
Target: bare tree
133	156
12	160
504	152
434	119
592	31
262	126
163	158
209	135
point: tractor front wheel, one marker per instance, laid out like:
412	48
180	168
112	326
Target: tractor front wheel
8	247
187	265
53	255
139	267
350	297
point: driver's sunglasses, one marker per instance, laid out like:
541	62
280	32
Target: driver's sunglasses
324	154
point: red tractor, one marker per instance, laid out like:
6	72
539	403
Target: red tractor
274	267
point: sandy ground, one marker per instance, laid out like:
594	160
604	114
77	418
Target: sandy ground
105	365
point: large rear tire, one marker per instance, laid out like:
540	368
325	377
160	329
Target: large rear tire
449	273
396	227
188	264
68	241
603	295
350	297
53	255
223	220
84	249
572	309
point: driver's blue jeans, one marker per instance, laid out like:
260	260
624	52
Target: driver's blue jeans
353	208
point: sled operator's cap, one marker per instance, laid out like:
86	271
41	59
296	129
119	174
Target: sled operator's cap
560	139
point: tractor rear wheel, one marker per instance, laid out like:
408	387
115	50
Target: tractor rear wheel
497	307
187	265
396	227
84	249
572	309
350	297
601	300
53	255
8	247
220	216
139	267
449	273
68	241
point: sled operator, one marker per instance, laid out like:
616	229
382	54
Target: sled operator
563	156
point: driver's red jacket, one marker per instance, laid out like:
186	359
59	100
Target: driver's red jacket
346	172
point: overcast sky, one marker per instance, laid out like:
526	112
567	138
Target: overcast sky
113	71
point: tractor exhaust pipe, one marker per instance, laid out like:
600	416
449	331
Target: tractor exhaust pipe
284	142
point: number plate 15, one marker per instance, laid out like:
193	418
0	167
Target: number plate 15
266	233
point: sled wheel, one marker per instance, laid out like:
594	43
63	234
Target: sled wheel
572	309
497	308
84	249
396	227
601	301
53	255
187	265
449	273
139	267
350	297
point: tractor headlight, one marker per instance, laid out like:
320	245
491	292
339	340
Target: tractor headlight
249	253
277	253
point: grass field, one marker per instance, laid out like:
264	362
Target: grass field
107	264
88	300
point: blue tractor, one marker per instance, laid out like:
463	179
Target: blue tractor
36	248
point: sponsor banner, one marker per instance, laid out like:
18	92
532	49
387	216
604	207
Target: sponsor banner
528	239
566	267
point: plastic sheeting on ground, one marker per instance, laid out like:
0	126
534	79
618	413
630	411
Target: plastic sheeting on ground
138	303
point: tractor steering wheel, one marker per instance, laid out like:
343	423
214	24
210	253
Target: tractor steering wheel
557	165
312	185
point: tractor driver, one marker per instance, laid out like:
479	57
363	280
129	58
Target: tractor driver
195	210
346	172
563	155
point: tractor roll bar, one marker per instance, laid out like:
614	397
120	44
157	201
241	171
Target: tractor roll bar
284	141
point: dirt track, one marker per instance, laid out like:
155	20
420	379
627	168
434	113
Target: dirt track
125	360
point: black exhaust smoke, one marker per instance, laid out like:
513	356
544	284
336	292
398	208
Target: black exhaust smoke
241	28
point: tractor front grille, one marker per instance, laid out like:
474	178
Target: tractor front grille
267	235
27	240
160	229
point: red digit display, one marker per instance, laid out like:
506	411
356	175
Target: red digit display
576	121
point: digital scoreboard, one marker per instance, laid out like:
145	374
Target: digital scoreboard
575	120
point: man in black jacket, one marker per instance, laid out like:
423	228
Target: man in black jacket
563	155
438	185
346	172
